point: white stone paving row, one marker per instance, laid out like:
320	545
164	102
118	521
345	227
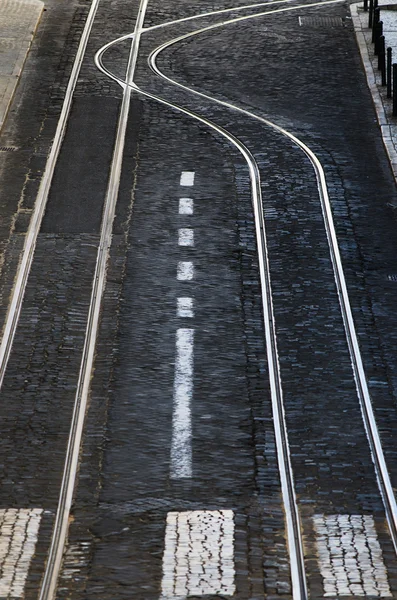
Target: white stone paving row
350	556
199	554
18	537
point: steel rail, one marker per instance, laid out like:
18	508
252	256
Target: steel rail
364	397
106	47
215	12
54	561
297	565
19	288
365	402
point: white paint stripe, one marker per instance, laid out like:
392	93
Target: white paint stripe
181	445
187	178
185	271
350	556
18	537
199	554
185	206
185	307
186	237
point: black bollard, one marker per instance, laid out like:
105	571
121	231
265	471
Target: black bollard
378	35
375	21
365	5
382	59
388	70
371	13
394	90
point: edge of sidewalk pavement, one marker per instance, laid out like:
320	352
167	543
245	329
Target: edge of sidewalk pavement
388	129
24	43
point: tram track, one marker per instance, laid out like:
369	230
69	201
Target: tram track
22	276
48	588
54	562
382	476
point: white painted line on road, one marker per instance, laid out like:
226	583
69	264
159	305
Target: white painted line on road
350	557
185	271
185	206
187	178
181	445
186	237
185	307
198	556
18	537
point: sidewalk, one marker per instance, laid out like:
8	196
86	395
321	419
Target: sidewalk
18	23
383	105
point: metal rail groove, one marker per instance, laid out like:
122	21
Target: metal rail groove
41	202
54	562
371	428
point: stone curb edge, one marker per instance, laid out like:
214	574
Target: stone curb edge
5	102
376	97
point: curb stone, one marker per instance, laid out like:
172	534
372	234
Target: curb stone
388	128
19	21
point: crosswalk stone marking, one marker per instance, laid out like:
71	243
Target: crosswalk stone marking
350	556
199	554
18	537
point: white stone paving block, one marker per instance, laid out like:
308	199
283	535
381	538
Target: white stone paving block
350	556
18	537
199	554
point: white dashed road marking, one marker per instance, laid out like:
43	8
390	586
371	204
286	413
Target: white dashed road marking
185	206
187	178
181	445
186	237
185	307
199	554
185	271
18	537
350	556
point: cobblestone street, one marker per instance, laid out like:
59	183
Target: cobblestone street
198	374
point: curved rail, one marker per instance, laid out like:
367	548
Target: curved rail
295	544
378	458
366	407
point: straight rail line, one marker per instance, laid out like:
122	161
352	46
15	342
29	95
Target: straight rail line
18	292
54	562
